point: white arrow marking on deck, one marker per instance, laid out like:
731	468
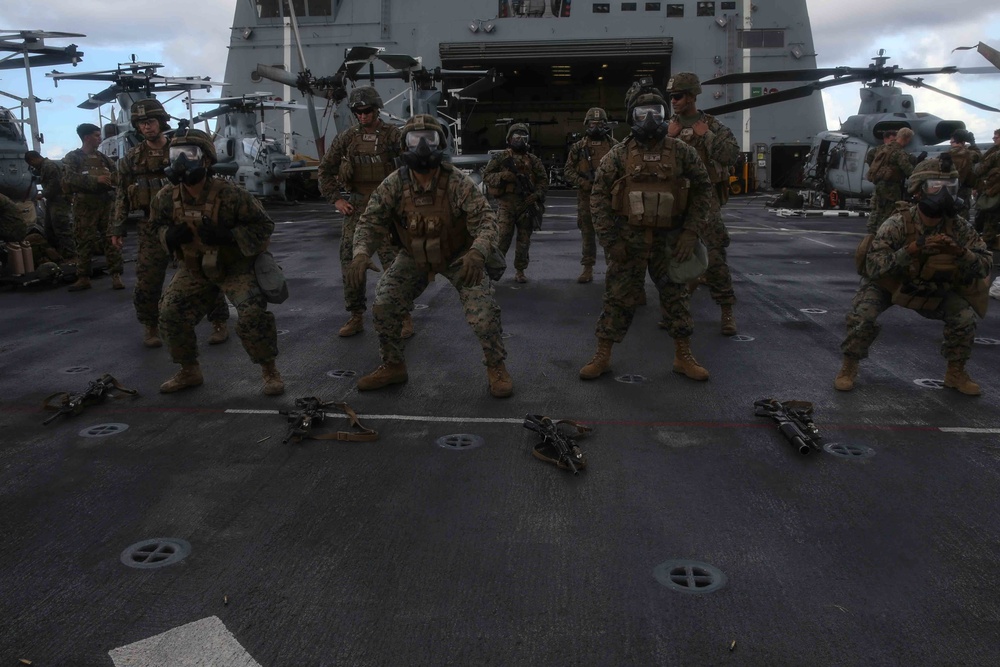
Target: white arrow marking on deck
204	642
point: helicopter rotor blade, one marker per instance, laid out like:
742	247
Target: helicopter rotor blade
777	75
109	94
480	86
919	83
284	77
783	95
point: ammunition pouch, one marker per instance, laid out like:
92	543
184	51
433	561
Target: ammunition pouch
939	269
919	296
428	243
652	209
861	253
270	279
141	193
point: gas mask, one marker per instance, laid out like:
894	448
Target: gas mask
648	125
423	151
939	197
597	130
186	165
518	142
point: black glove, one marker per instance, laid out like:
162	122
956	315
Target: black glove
216	235
176	236
921	157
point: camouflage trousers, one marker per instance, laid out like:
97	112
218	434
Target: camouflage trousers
585	223
354	297
403	282
90	227
872	300
988	226
625	282
59	226
151	271
189	296
715	236
509	220
883	204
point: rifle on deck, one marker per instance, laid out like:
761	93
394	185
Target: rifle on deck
311	411
524	189
794	419
73	404
557	446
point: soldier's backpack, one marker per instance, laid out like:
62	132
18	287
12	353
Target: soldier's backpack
879	171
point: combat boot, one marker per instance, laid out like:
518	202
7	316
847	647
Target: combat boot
273	384
407	330
354	325
601	363
957	378
519	276
188	376
82	283
684	361
382	376
501	386
116	281
845	378
587	275
151	338
728	320
220	333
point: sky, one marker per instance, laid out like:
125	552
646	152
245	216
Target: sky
190	38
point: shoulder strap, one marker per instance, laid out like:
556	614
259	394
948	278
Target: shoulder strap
362	435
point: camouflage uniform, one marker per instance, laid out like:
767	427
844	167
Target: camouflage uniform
718	150
405	280
194	289
92	204
889	190
353	165
988	222
57	207
12	227
500	180
580	171
965	159
140	177
624	281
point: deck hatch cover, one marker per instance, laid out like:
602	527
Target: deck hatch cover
631	378
689	576
847	451
157	552
460	441
103	430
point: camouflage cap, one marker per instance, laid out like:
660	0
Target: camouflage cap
149	108
365	96
935	167
684	82
422	121
195	138
595	114
517	127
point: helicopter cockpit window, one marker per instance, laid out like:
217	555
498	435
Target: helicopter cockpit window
251	147
8	128
836	157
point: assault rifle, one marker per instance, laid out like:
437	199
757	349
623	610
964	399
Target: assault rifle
311	411
794	419
524	189
592	172
73	404
556	446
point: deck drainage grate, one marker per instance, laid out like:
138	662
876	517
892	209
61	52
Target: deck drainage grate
77	369
341	373
928	383
689	576
157	552
812	311
753	275
800	261
460	441
419	306
846	451
65	332
986	341
102	430
631	379
740	338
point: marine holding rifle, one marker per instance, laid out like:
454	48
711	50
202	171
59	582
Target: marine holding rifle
518	180
217	230
581	167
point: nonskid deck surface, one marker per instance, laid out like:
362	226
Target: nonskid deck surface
403	551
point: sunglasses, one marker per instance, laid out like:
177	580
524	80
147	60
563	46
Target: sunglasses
677	96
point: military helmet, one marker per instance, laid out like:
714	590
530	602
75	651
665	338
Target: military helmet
48	271
684	82
148	108
197	138
517	127
423	121
935	167
365	96
595	114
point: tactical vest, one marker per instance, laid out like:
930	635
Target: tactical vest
199	257
426	228
522	167
989	177
370	162
96	165
651	193
882	170
694	137
929	278
148	166
598	148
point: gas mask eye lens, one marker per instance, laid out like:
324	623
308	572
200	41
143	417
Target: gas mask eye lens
640	112
934	185
414	137
192	153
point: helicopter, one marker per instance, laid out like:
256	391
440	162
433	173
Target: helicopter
245	152
833	170
130	82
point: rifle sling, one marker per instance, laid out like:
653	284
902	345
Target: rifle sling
364	435
64	401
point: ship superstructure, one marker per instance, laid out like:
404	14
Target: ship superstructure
557	58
